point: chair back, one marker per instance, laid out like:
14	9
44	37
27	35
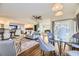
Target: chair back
7	48
43	45
18	32
50	37
6	34
35	35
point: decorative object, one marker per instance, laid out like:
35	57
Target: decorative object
37	17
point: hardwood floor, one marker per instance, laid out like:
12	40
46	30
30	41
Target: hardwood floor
35	51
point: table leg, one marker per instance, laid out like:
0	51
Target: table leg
20	46
64	46
59	47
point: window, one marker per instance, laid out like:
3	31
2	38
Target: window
64	29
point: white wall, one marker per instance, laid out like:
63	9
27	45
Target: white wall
45	24
77	11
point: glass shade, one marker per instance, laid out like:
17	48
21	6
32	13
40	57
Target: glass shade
57	7
59	13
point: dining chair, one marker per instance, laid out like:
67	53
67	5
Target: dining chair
18	32
50	38
46	47
6	34
35	36
73	53
76	45
7	48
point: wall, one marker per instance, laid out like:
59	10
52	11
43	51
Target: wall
77	11
6	21
45	24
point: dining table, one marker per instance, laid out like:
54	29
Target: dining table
74	46
60	43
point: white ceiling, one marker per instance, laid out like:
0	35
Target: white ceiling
18	10
26	10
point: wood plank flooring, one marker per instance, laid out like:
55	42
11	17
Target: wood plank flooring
34	51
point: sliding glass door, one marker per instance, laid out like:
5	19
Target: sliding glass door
63	30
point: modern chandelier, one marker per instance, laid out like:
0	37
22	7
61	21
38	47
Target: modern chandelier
57	8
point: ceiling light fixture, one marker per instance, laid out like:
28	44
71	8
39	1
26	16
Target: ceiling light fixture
57	7
59	13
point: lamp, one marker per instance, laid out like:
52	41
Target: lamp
59	13
29	26
57	7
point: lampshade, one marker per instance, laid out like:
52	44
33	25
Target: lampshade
29	26
76	36
59	13
57	7
2	21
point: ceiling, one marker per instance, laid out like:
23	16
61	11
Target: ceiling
26	10
22	10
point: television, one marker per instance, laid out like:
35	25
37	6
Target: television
13	27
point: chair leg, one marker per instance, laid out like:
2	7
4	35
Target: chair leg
42	52
64	46
54	53
51	53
